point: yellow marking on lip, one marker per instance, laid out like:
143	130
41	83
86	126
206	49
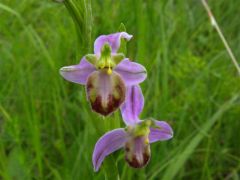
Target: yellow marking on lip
146	141
109	71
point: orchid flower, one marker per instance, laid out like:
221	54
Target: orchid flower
106	73
136	137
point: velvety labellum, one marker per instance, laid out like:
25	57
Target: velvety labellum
106	92
137	151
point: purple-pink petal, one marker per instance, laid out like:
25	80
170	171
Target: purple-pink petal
78	73
107	144
113	40
164	132
133	105
132	73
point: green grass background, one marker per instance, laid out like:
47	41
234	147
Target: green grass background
47	130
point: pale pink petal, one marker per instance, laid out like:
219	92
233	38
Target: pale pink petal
107	144
133	105
164	132
132	73
112	39
78	73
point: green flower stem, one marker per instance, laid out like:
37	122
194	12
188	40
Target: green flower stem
110	168
109	164
80	12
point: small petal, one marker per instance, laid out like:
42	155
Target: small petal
164	132
107	144
117	57
132	73
78	73
106	92
133	105
112	39
137	151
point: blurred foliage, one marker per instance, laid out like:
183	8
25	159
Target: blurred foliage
47	130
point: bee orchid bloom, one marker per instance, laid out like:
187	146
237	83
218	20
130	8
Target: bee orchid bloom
136	138
106	73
